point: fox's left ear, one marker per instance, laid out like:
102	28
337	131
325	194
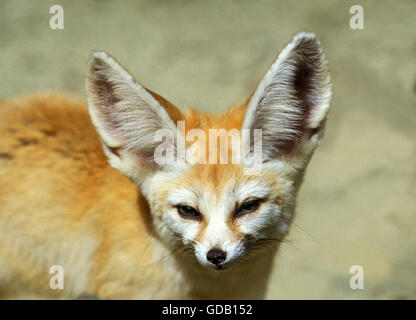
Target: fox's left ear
291	102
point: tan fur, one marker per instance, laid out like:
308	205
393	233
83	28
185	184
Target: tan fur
119	233
60	198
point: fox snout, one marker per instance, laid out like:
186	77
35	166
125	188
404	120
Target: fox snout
216	256
219	256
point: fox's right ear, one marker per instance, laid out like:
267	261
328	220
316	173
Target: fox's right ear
127	116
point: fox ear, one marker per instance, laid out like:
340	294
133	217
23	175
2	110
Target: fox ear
291	102
127	116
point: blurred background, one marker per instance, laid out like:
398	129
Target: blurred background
357	205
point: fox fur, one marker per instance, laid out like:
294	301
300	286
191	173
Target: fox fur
79	188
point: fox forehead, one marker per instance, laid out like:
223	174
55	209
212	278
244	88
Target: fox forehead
233	118
215	185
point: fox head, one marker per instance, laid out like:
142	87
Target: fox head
216	209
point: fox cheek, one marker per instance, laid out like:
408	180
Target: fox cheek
186	231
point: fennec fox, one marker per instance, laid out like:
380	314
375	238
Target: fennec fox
140	227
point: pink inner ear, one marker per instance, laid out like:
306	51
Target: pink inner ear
146	159
293	96
105	93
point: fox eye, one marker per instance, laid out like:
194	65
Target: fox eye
247	207
187	212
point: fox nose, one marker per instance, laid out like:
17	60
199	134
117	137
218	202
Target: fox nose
216	256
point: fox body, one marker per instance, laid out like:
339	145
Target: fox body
89	196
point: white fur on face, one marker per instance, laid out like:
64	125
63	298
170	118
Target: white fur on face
215	231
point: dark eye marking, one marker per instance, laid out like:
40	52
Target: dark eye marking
188	212
247	207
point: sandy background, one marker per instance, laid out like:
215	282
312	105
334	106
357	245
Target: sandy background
358	202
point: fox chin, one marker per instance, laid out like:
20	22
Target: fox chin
130	207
